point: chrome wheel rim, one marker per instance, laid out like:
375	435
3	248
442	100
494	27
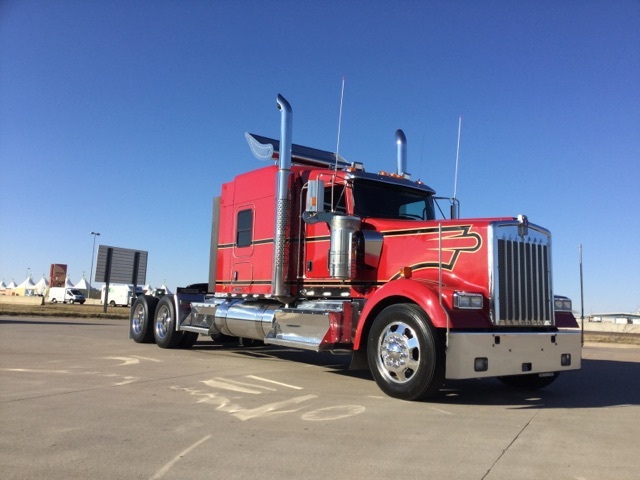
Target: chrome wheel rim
163	320
138	319
398	352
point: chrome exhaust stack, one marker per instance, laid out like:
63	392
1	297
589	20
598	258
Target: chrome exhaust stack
401	145
279	281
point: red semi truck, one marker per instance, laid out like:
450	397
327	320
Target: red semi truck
316	253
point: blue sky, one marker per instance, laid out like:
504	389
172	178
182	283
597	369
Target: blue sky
125	117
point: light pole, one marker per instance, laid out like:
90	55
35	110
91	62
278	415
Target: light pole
93	254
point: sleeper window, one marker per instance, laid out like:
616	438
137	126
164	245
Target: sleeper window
245	228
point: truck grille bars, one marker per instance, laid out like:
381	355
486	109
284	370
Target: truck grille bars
522	278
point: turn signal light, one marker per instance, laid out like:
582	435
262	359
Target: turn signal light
406	272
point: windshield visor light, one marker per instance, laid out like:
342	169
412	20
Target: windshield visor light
562	304
467	301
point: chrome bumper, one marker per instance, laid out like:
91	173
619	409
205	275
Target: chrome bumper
476	355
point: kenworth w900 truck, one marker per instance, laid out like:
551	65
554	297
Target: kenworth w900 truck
316	253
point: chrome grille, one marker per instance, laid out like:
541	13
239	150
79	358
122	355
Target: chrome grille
522	275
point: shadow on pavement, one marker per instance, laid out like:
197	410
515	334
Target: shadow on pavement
599	384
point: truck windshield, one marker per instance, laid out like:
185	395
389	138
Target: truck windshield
385	200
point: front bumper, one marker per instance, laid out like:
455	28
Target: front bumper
476	355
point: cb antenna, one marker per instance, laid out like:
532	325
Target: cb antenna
454	203
339	124
335	168
455	177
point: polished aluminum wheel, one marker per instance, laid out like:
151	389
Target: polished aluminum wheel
138	320
163	321
398	352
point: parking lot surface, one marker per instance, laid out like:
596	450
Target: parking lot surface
78	399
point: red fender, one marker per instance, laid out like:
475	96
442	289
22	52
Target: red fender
420	292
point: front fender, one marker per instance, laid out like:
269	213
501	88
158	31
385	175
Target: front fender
420	292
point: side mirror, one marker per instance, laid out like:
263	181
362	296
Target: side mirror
315	196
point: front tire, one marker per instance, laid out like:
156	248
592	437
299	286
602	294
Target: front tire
405	353
164	327
141	319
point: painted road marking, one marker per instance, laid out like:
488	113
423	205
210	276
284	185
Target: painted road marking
274	382
34	370
226	385
132	360
231	406
270	408
126	379
333	413
163	471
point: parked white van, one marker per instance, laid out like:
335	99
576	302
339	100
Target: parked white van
66	295
120	294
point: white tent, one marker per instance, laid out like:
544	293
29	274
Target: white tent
42	286
2	285
82	284
147	289
11	285
68	283
166	289
26	288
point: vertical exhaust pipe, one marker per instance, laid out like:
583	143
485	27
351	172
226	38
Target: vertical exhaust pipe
401	145
279	281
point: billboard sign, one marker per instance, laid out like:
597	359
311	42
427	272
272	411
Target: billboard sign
121	265
57	275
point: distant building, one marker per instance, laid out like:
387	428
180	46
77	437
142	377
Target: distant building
621	318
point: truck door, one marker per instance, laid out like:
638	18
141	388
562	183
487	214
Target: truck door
318	236
242	264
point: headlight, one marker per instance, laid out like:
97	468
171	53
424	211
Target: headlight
562	304
464	300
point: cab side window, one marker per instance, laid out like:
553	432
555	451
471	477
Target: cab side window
244	233
339	202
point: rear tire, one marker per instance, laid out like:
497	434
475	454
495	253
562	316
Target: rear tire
532	381
405	353
164	326
141	319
